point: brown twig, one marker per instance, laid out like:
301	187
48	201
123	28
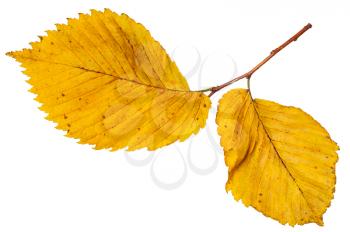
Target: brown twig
264	61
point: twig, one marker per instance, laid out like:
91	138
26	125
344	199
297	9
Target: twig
264	61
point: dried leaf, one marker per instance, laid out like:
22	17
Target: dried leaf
106	81
280	160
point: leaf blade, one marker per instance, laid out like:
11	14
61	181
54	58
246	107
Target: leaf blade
291	184
104	79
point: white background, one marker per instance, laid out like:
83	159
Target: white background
50	183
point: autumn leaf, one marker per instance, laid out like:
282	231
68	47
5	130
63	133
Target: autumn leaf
107	82
280	160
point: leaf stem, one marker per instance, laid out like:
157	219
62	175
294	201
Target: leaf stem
249	74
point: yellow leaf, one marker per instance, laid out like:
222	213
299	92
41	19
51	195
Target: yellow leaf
107	82
280	160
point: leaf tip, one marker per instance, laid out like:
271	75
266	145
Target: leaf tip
12	54
9	54
319	221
